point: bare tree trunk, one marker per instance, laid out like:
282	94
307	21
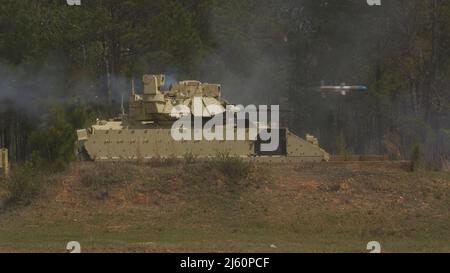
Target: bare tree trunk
431	92
108	73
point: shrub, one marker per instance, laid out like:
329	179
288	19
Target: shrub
109	173
234	168
24	184
190	158
163	161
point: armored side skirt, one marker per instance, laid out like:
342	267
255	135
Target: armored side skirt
145	144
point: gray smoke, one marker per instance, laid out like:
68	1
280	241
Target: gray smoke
33	87
251	59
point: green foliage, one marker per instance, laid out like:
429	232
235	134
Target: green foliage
53	144
234	168
15	17
24	184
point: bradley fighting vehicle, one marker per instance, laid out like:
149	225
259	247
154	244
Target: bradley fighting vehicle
145	131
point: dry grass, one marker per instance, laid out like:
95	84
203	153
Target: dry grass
201	207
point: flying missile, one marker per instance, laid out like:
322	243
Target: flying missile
342	89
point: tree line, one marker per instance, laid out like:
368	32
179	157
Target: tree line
63	66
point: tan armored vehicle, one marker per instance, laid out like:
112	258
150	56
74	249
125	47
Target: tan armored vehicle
148	130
